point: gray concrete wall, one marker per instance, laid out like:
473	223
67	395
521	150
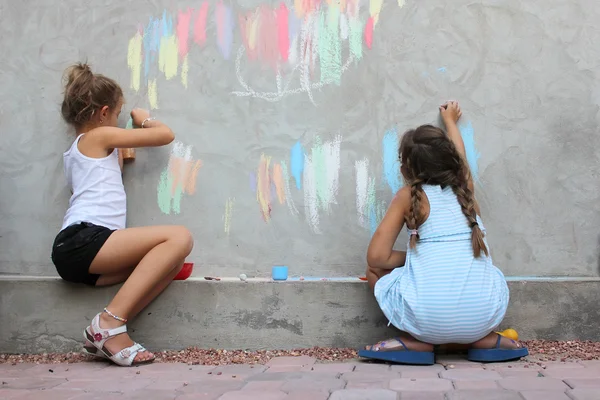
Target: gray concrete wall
524	71
49	315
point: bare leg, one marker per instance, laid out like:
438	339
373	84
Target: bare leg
158	253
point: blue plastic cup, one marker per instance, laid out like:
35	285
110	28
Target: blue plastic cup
279	273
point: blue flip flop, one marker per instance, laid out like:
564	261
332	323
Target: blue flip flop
405	356
497	354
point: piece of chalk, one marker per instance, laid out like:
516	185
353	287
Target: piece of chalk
243	277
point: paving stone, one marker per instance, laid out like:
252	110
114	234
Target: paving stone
250	395
521	384
99	396
263	385
562	365
206	395
211	388
50	394
287	368
288	376
30	383
572	373
469	374
308	395
422	396
167	385
151	395
239	369
476	385
456	362
315	383
544	395
413	371
121	386
522	373
433	385
368	380
371	367
364	394
333	368
87	369
584	394
483	395
584	383
589	363
301	361
7	394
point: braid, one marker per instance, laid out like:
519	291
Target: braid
414	216
467	203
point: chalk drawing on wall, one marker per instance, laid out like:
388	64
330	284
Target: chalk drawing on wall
370	210
271	184
468	136
296	43
177	179
306	46
315	173
391	161
228	214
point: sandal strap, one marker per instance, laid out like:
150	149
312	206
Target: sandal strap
498	340
126	356
101	335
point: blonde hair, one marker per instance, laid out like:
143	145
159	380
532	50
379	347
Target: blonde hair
86	93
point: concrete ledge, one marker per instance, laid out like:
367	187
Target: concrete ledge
47	315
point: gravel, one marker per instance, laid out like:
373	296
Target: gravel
540	351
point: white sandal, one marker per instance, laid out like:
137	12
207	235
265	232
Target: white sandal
124	357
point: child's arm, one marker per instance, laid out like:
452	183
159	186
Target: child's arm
153	134
380	253
451	113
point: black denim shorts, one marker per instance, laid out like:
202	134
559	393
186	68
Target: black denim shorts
74	249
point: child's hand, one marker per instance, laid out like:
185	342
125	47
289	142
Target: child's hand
138	115
451	112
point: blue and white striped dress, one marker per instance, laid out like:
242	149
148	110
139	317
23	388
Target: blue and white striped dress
444	294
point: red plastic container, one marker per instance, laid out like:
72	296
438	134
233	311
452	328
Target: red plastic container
185	272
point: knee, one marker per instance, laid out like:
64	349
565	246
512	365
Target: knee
184	240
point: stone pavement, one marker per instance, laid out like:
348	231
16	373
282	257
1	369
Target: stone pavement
301	378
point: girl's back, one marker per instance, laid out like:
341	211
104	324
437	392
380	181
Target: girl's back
441	289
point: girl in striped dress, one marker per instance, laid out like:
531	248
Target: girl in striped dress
445	287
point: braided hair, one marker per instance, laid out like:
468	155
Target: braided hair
428	156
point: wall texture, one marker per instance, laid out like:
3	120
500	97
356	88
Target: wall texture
288	115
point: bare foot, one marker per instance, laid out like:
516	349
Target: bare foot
119	342
411	343
489	342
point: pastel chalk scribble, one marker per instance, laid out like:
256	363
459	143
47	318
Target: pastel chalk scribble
468	136
307	45
391	162
370	210
178	177
228	214
271	184
297	163
321	179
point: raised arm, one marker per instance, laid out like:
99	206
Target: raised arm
451	113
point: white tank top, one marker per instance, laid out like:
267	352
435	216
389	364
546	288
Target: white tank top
97	186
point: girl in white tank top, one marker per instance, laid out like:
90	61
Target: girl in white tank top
94	246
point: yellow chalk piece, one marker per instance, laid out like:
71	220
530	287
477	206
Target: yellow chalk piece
375	9
168	57
227	216
184	71
134	60
152	94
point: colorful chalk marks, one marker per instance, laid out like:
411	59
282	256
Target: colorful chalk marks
178	177
314	41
